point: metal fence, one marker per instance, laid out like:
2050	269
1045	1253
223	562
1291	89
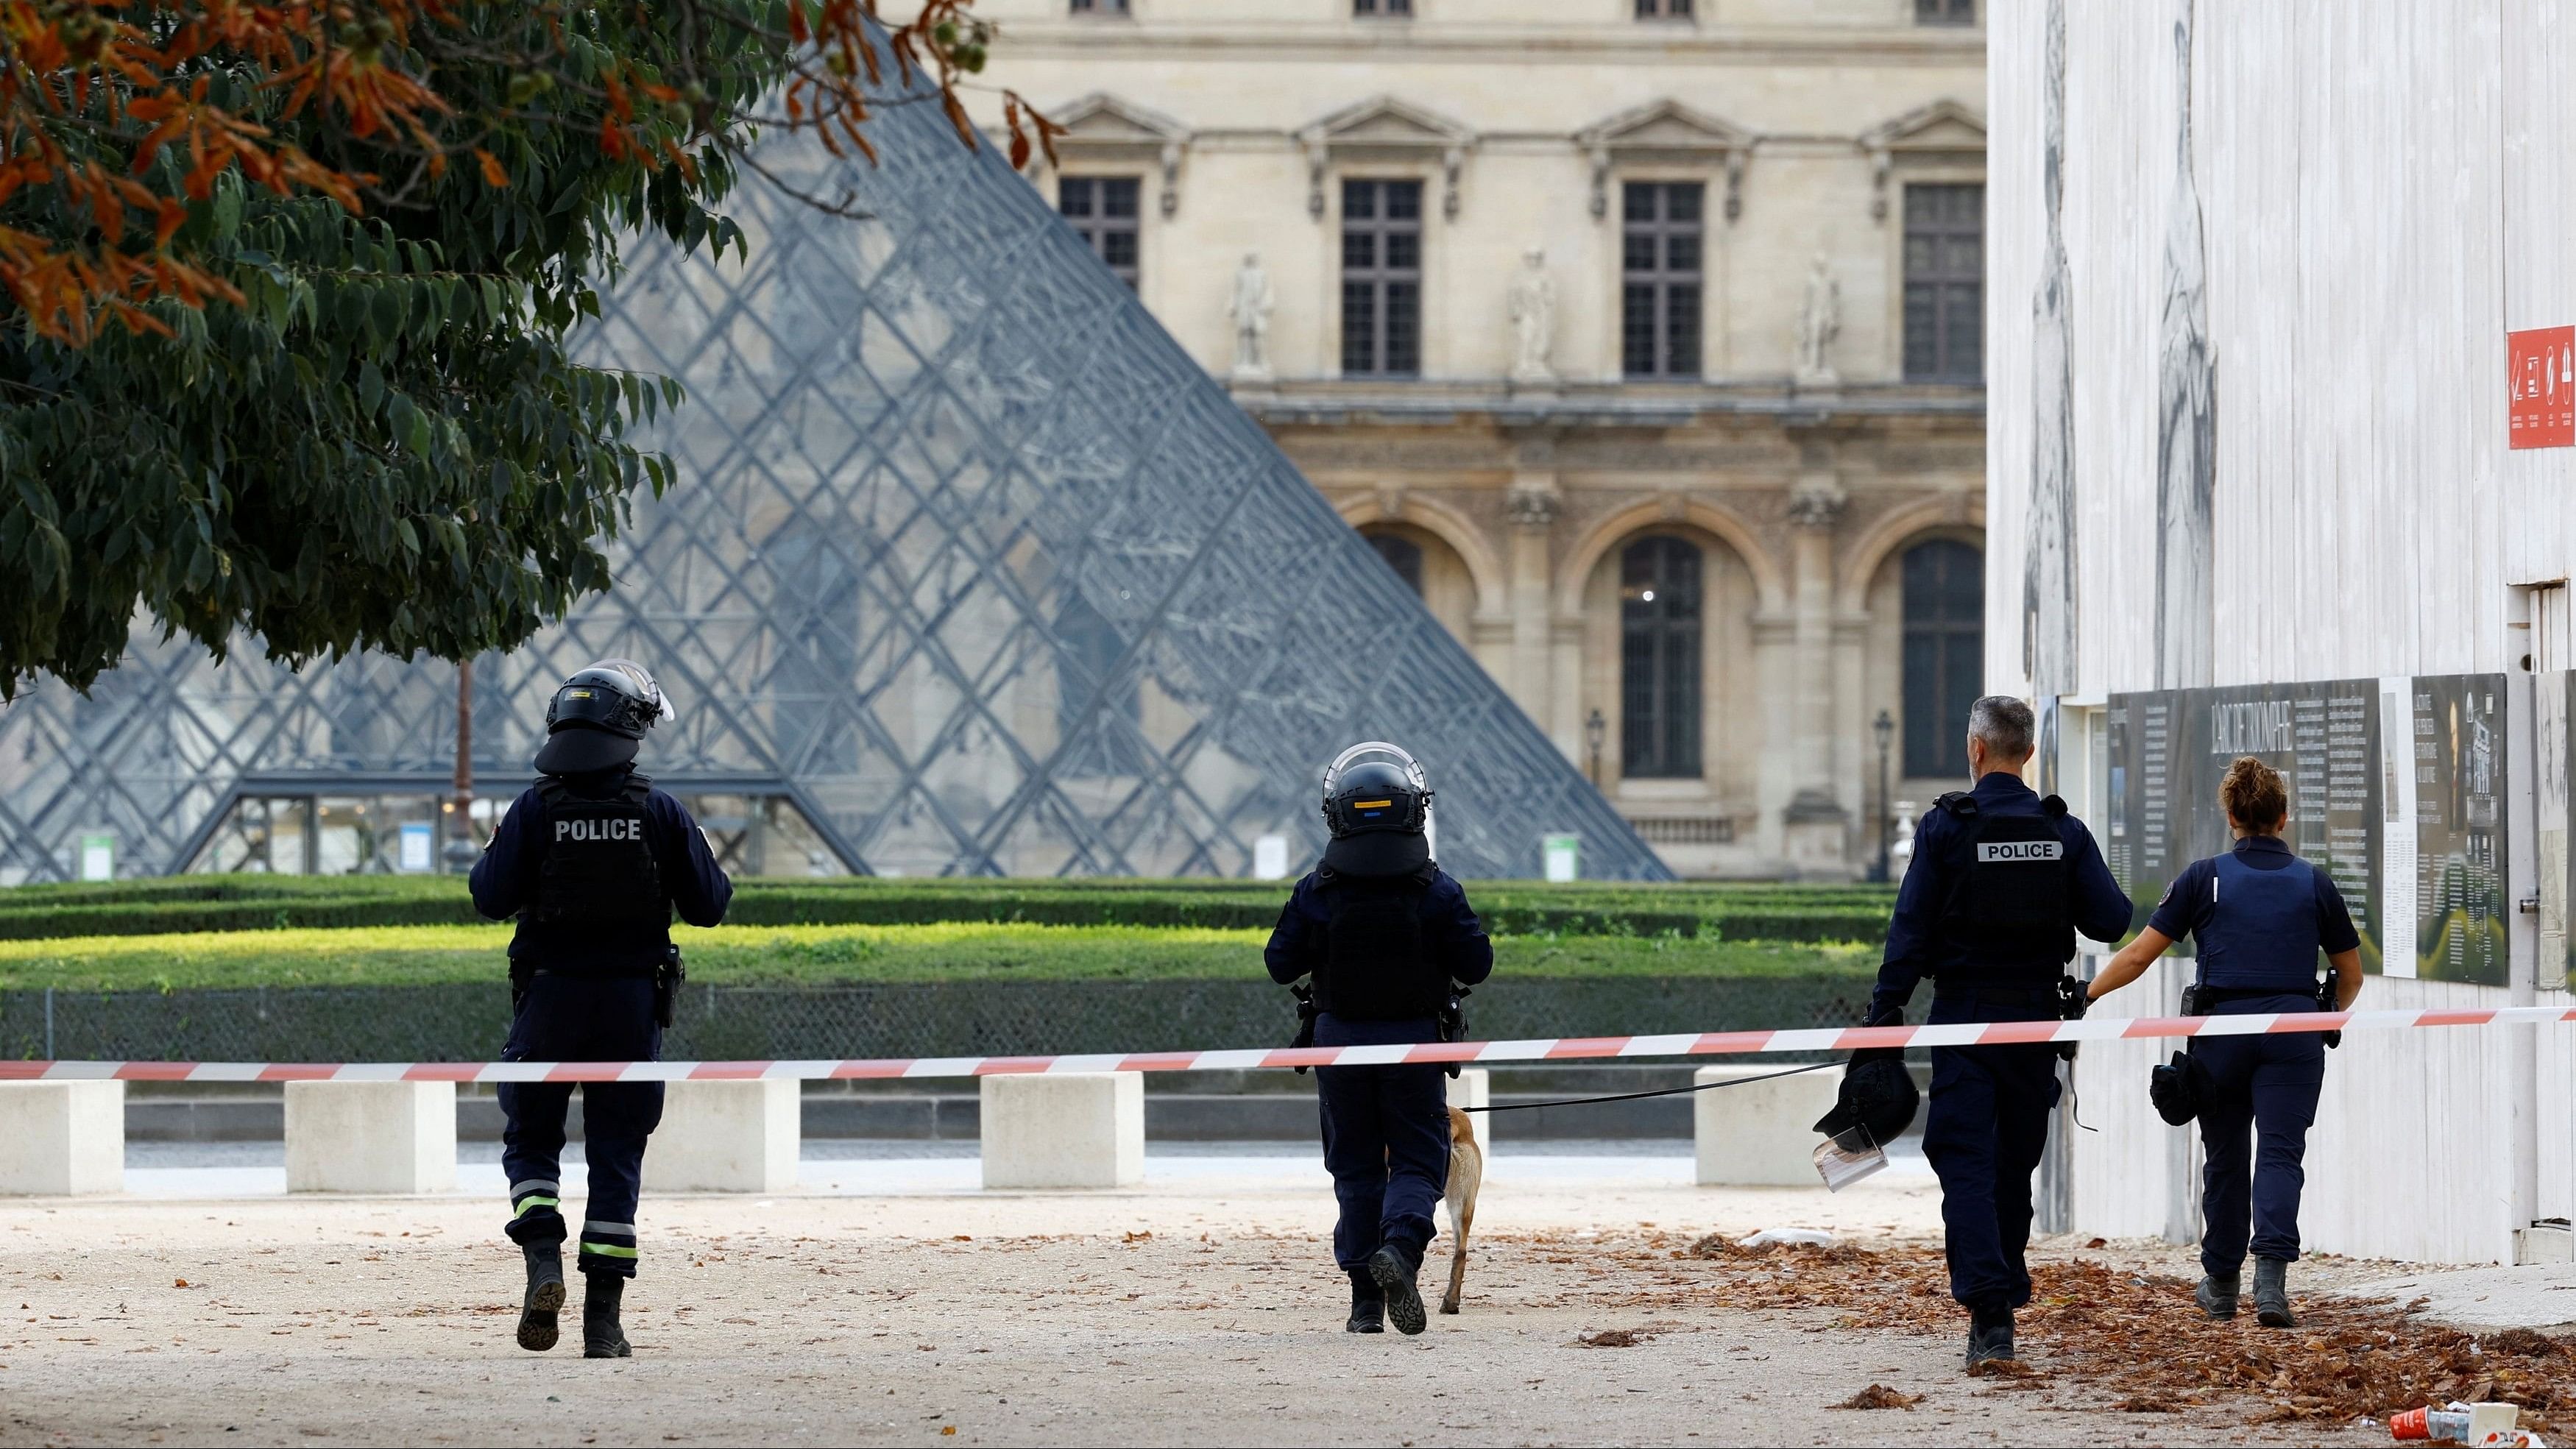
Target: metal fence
466	1022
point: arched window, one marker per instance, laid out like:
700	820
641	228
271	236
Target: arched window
1659	658
1945	653
1402	555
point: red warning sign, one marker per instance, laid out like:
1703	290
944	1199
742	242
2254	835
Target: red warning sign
2542	385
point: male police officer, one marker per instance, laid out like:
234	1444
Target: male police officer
2001	881
591	859
1384	931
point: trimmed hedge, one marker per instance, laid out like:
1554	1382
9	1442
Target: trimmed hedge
250	903
466	1021
815	956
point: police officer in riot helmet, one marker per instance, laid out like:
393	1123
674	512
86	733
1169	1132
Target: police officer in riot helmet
2002	880
592	860
1388	938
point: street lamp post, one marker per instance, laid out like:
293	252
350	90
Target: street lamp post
1593	729
1885	728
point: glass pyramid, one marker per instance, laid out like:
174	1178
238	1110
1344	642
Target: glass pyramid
968	561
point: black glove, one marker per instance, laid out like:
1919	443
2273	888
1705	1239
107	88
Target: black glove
1305	995
2071	1006
1453	1020
667	981
2326	1002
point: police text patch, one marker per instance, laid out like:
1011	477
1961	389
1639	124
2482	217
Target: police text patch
2008	851
599	830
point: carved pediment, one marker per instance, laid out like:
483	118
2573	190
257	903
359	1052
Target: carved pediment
1665	127
1386	122
1103	119
1940	126
1670	133
1943	133
1108	127
1385	126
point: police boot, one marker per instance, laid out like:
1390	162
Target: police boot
2216	1295
1394	1270
545	1296
2272	1293
1990	1335
1368	1304
600	1335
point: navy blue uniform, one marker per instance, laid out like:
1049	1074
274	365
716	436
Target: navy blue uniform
2258	916
1386	1128
1987	1123
589	997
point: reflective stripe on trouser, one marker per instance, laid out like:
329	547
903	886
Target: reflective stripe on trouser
607	1247
536	1212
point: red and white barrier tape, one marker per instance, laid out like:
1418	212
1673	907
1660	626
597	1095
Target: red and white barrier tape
1557	1049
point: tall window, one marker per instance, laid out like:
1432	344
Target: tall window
1382	7
1659	658
1659	265
1381	278
1088	649
1945	654
1945	267
1402	555
1103	210
1663	9
1945	12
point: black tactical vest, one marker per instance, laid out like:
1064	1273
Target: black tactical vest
2015	895
598	888
1376	965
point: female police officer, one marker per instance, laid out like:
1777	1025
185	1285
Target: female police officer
2259	915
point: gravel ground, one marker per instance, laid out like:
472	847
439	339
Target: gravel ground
1192	1314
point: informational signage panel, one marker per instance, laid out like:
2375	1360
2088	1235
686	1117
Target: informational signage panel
2460	903
2361	757
2540	389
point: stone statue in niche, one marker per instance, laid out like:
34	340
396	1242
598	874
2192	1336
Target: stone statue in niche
1820	321
1249	309
1532	303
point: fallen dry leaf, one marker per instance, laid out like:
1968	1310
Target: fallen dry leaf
2137	1405
1613	1338
1880	1396
2348	1358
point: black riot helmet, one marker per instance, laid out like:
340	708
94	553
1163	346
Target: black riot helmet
1377	804
1375	787
1878	1094
598	717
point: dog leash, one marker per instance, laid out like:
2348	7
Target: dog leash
1666	1092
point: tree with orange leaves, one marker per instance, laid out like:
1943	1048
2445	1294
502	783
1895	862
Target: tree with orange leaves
293	279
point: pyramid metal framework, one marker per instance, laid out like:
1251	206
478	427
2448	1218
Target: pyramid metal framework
968	561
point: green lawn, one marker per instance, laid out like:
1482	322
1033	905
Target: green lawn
822	955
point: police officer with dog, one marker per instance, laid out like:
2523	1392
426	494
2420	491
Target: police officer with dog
2259	917
1387	937
2002	880
592	860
